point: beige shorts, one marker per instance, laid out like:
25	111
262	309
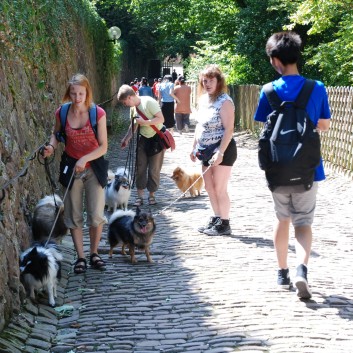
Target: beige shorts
86	195
298	206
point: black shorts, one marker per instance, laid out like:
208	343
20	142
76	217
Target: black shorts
230	155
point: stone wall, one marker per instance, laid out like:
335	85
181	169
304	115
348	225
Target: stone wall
30	92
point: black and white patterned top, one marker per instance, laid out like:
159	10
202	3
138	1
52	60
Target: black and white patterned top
209	128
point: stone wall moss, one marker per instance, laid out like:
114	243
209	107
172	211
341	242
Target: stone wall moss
42	44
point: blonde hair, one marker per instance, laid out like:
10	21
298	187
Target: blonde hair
125	91
79	80
213	71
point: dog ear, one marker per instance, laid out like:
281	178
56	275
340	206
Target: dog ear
138	211
34	251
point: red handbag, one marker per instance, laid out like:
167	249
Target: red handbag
166	137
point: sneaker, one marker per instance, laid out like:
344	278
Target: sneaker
186	128
209	225
301	282
220	227
283	279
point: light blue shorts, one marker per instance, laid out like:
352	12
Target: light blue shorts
297	206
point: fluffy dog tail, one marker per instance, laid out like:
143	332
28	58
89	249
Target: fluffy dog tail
121	213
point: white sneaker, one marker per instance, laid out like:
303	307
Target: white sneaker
301	282
186	128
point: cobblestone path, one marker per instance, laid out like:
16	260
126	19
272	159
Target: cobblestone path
210	294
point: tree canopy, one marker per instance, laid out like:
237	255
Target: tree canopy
233	33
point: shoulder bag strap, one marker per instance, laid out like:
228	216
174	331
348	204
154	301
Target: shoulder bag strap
154	127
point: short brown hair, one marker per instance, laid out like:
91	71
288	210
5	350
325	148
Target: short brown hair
125	91
211	71
80	80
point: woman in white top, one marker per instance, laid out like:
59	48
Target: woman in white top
215	146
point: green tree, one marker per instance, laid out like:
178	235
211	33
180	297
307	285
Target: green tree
329	46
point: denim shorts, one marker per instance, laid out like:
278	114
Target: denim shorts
298	206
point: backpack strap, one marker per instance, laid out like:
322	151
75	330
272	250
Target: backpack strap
304	95
271	95
301	101
64	111
93	118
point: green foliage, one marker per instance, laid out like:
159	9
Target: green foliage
234	33
119	121
330	22
42	31
233	66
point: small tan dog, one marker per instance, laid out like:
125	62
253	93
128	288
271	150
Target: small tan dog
184	180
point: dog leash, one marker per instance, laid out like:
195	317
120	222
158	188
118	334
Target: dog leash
58	212
184	193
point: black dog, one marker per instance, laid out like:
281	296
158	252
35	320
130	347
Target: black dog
134	229
44	216
40	267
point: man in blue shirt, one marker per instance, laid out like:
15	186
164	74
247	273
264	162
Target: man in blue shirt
292	203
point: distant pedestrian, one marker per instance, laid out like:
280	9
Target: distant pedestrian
214	134
174	75
144	89
294	204
136	85
182	106
166	98
154	86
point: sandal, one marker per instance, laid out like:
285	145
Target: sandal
80	266
152	200
138	202
98	263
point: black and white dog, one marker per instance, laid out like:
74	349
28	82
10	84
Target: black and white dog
133	230
118	190
40	267
44	216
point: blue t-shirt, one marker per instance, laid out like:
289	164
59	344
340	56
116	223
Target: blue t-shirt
166	88
145	91
288	88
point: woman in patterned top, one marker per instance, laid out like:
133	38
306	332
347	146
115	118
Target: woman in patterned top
214	130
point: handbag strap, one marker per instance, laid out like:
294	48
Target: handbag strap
154	127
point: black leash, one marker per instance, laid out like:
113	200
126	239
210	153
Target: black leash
22	172
57	213
131	159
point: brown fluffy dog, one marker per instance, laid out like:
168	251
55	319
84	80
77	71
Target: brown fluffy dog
184	180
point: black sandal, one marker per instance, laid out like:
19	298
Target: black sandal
80	266
97	264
